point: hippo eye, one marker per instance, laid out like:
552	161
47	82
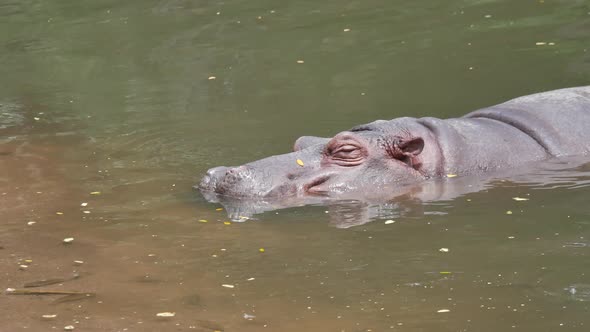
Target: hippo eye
347	154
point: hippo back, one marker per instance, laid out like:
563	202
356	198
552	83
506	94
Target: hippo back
557	120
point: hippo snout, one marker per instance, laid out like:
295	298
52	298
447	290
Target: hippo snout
211	178
220	179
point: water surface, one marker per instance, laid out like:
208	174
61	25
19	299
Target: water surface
124	105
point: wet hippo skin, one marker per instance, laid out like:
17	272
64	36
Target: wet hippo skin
385	153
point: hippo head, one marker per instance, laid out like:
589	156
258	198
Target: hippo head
365	159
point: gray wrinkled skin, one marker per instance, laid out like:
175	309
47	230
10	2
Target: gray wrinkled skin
386	155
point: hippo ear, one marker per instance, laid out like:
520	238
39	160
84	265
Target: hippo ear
407	150
411	147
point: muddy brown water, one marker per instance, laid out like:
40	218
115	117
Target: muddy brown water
111	111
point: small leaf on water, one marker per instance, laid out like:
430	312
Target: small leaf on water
518	199
261	250
227	286
95	193
451	175
219	209
227	223
300	162
508	212
166	314
202	220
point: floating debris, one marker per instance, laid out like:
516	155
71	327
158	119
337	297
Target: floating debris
227	286
21	291
261	250
443	310
37	119
202	220
389	222
95	193
520	199
227	222
443	249
48	316
86	211
211	78
31	223
540	43
84	204
346	30
451	175
69	328
166	314
508	212
78	262
300	61
250	279
248	316
575	245
219	209
300	162
23	267
68	240
59	213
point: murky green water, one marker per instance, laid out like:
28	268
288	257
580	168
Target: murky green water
124	105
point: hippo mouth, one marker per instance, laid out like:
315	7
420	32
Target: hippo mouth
316	186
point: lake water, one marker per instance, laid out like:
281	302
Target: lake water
110	111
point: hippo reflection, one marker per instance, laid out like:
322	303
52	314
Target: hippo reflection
382	156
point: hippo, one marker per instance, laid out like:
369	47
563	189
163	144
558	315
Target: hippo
398	153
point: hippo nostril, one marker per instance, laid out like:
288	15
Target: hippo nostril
206	179
216	171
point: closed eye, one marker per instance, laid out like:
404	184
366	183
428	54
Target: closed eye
347	152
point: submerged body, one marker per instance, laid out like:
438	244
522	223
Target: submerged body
405	151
